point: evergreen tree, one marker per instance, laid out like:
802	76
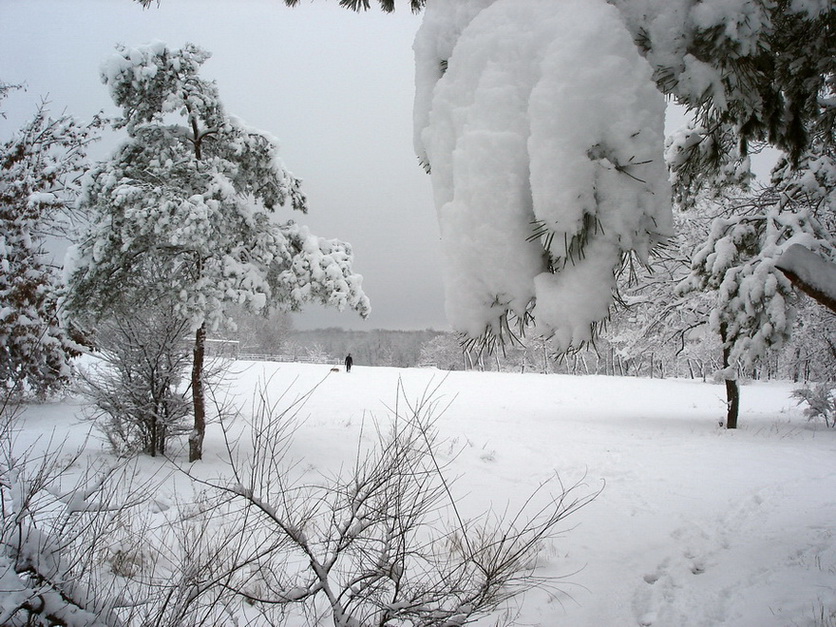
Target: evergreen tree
750	73
754	305
188	207
39	168
811	266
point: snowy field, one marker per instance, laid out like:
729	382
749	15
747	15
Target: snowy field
695	525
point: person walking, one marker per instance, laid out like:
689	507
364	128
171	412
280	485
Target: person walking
348	363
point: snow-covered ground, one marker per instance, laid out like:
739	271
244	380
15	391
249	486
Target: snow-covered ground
696	525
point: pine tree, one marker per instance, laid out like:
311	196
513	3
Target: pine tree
188	209
751	74
39	168
754	306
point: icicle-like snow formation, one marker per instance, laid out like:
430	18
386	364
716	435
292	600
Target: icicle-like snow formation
544	134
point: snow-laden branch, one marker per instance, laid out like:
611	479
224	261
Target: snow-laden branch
542	129
813	275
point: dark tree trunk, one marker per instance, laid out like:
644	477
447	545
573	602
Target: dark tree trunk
733	402
732	388
196	438
155	421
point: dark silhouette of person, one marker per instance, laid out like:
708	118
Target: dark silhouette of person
348	363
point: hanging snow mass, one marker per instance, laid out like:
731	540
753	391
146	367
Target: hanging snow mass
543	132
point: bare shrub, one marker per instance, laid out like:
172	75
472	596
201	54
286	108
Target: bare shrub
78	547
383	543
55	525
138	389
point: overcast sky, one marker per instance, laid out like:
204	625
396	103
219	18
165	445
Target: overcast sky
335	87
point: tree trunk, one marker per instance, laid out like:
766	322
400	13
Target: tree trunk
196	437
153	444
732	388
733	402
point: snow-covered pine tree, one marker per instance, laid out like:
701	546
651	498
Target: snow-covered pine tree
39	168
812	184
749	72
188	208
754	305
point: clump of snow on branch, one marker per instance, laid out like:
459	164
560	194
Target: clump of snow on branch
543	131
814	270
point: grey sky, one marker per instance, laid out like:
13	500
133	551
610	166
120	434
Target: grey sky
336	88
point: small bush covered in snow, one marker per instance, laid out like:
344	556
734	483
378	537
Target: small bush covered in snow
820	400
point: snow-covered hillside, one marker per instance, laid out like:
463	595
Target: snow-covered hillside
695	525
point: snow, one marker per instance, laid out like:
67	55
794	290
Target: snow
811	7
696	525
543	130
810	268
741	21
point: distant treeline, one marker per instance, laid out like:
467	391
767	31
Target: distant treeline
378	347
273	337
